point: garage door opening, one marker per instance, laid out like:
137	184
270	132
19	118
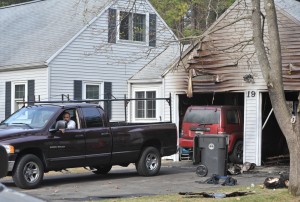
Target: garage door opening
236	99
274	147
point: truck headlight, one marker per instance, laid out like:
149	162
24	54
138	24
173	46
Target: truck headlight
9	149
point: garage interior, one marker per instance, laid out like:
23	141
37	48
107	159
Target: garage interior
274	146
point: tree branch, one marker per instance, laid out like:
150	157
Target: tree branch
259	43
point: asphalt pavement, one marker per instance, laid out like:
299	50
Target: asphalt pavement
174	177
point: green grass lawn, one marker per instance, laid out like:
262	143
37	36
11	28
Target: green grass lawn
258	194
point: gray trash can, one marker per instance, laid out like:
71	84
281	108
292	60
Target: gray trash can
211	151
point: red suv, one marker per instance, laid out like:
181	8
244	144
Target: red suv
215	120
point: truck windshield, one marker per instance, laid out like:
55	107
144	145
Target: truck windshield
31	117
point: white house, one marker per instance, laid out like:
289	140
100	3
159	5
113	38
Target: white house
84	49
219	75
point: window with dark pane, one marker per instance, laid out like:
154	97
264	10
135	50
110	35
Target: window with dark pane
20	91
140	105
93	117
92	91
132	26
151	104
139	27
145	108
124	25
232	117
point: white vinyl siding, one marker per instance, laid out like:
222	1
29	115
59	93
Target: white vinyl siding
40	81
175	82
90	58
252	127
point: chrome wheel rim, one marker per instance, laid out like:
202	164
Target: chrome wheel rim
151	162
31	172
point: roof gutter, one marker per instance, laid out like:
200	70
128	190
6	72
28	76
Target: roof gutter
22	67
145	81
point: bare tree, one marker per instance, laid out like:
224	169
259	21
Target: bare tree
272	73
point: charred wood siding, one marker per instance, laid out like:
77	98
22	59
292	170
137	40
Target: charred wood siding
290	50
224	57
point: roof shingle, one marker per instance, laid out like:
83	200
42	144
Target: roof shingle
32	32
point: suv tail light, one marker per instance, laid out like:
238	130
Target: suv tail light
221	130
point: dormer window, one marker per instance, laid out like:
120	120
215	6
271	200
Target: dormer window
132	26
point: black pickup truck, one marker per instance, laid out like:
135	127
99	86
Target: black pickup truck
37	141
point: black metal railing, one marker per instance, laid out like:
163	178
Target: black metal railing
108	101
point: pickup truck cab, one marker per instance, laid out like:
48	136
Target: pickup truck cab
37	141
215	120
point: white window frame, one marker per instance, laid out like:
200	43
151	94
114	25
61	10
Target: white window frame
159	103
101	89
146	42
13	99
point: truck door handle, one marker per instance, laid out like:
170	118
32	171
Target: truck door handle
79	136
104	134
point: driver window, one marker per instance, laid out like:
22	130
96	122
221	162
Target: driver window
71	117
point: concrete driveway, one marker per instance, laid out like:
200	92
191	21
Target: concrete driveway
174	177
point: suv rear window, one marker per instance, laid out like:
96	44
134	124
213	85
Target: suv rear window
203	116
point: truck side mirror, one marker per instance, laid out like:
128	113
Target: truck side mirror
61	125
58	125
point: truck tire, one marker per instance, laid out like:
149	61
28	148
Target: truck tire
3	162
101	170
149	163
28	172
237	153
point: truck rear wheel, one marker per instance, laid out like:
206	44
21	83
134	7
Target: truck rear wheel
237	153
101	170
29	172
149	163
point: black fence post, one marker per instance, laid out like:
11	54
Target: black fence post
170	104
125	107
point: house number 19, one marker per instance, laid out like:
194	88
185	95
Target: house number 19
251	94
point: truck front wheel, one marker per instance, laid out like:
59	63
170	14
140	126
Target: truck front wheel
29	172
149	163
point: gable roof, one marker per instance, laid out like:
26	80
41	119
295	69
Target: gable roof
290	6
155	68
219	70
32	32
